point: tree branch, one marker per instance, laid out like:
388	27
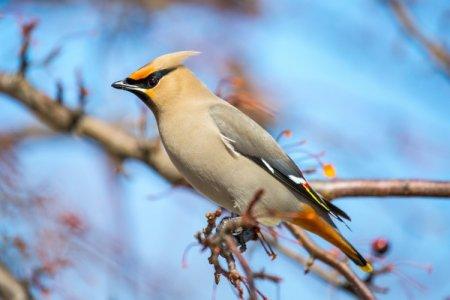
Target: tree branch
382	188
111	138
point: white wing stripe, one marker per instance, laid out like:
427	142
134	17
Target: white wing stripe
228	144
268	166
296	179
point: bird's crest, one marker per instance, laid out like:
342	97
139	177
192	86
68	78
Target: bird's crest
165	61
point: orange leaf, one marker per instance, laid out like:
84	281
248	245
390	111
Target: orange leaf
329	171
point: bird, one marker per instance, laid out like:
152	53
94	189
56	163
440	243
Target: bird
228	157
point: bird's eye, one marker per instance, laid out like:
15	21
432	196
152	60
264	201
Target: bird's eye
153	79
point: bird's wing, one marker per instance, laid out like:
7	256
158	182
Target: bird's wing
244	136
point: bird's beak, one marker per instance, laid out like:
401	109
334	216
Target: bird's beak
121	85
135	89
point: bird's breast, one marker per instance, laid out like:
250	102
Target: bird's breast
194	146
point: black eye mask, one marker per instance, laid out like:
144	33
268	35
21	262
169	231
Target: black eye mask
151	80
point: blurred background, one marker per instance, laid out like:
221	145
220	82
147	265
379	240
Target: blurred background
369	99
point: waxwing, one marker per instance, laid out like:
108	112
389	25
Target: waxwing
227	156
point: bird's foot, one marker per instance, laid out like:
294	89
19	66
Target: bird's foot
241	235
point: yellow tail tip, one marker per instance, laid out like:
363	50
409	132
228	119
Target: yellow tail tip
367	268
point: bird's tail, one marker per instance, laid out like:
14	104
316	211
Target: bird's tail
319	226
352	253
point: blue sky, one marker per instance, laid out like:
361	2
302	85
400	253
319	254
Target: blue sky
343	77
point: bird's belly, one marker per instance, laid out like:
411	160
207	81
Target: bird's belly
205	168
232	182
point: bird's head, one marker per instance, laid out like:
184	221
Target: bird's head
161	80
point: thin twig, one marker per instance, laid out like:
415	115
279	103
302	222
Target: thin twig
361	288
248	271
437	52
315	269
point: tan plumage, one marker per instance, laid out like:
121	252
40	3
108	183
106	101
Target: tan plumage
227	156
